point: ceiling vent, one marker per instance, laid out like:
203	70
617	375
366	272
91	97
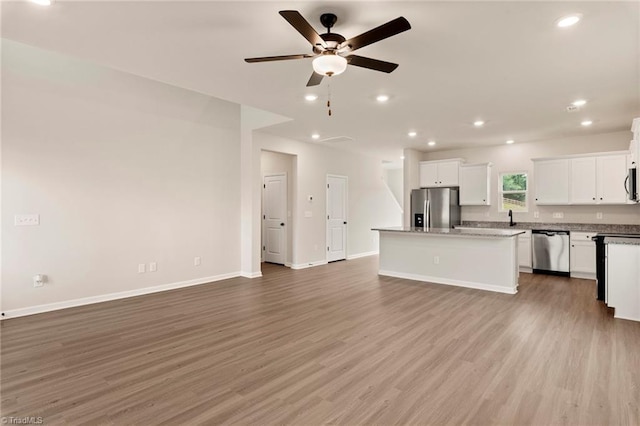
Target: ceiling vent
335	139
572	108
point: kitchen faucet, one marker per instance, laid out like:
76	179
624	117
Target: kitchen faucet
511	222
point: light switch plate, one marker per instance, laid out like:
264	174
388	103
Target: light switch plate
26	219
141	268
558	215
153	267
536	215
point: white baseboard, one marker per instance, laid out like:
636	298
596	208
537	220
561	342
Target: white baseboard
308	265
525	269
626	318
583	275
251	274
359	255
32	310
447	281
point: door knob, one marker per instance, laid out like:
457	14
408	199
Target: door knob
282	224
344	223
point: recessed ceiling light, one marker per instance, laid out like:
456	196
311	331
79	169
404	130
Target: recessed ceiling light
579	103
382	98
311	97
42	2
478	123
431	143
412	134
510	141
587	123
567	21
315	136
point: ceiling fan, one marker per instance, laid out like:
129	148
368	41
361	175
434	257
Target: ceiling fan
331	51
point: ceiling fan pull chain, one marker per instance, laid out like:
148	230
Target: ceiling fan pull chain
329	98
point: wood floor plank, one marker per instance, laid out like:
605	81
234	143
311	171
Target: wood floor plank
334	344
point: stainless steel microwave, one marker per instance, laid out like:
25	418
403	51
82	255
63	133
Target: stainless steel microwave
631	184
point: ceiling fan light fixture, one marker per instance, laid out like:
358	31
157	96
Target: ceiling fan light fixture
329	64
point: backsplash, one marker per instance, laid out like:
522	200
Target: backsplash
576	227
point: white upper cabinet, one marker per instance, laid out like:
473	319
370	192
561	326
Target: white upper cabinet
475	184
551	181
439	173
583	180
611	171
598	179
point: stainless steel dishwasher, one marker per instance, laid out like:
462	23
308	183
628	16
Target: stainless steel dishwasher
550	252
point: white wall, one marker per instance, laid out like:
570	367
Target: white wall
122	171
395	182
370	203
517	157
272	163
411	170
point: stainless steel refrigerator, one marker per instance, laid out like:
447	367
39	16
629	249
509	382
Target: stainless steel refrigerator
441	205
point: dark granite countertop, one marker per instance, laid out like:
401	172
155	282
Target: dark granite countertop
576	227
479	232
622	240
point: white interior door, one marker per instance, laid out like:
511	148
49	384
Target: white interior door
274	218
336	218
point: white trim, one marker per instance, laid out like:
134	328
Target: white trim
251	274
38	309
447	281
359	255
309	265
525	269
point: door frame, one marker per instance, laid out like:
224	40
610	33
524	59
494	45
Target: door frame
346	213
263	230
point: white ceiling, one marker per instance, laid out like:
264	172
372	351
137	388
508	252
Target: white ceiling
504	62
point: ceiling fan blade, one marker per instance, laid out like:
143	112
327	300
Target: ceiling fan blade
387	30
277	58
372	64
315	79
298	22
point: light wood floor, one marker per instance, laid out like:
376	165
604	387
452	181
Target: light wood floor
333	344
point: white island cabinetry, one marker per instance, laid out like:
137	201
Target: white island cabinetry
623	277
484	259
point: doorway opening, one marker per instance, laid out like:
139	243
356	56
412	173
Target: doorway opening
277	170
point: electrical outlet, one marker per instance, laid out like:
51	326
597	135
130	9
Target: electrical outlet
26	219
558	215
599	215
536	215
436	260
38	280
197	261
141	268
153	267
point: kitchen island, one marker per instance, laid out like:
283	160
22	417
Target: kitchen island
485	259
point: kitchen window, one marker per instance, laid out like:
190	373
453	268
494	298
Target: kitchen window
513	191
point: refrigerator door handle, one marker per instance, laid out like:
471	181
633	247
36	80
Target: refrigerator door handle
428	213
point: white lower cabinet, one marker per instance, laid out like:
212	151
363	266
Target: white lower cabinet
524	252
623	280
582	256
